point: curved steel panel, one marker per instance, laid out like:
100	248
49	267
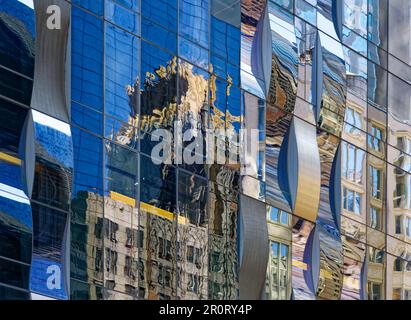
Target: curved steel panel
281	96
304	169
255	250
49	89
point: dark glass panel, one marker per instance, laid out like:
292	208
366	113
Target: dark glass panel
15	86
86	245
15	215
192	198
159	88
121	170
14	274
17	46
11	126
7	293
192	237
158	184
84	291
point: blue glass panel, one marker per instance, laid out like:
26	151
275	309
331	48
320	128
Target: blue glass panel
355	15
306	11
163	12
354	41
87	59
218	103
87	118
122	60
193	53
129	4
225	41
120	132
124	18
233	109
95	6
286	4
194	20
162	37
88	162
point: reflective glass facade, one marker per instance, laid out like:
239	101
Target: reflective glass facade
307	197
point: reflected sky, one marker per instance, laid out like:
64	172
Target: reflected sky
53	139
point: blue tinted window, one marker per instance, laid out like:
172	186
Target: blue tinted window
194	21
95	6
274	214
122	59
124	18
87	118
88	160
162	37
87	59
193	53
129	4
158	85
163	12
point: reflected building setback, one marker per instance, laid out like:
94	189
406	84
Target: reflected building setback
287	178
